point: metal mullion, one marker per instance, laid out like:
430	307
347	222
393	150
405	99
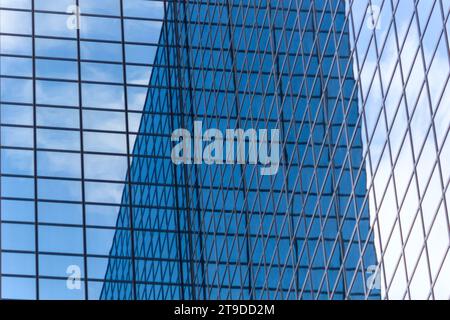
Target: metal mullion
310	144
1	190
36	214
328	125
280	98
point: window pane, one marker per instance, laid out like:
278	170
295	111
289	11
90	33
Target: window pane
57	93
49	24
142	31
21	67
105	167
59	190
15	210
145	9
15	22
70	239
15	45
19	4
104	120
101	51
59	164
105	142
58	139
19	162
57	117
101	72
17	137
103	96
106	7
13	114
56	48
18	263
18	288
17	187
56	69
17	236
100	28
53	212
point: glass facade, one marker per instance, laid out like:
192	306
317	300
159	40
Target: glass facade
226	231
93	205
73	85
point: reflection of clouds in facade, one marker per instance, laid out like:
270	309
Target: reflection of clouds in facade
401	202
105	133
58	162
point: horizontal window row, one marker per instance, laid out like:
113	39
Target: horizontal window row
54	48
68	70
105	215
146	193
63	25
111	51
68	118
111	71
111	120
64	140
66	94
132	8
25	287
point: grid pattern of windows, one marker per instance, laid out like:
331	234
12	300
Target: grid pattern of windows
226	231
73	85
93	207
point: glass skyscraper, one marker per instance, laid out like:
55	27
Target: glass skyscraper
94	206
226	231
